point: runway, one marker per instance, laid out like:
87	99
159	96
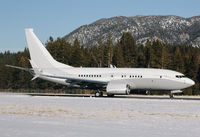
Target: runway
119	96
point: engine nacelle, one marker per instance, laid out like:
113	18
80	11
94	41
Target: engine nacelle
176	91
118	89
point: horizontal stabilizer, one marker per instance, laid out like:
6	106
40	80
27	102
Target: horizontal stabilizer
21	68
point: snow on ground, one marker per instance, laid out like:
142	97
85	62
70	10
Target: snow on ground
26	116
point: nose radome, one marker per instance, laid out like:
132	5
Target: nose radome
190	82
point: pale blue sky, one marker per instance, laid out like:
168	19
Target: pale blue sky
59	17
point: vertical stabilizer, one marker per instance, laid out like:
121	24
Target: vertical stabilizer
39	54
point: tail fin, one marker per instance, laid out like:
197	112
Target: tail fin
39	54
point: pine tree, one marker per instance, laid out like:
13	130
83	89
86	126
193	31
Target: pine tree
65	51
166	57
157	51
129	49
77	54
100	54
54	48
148	54
91	55
193	66
108	52
178	63
141	60
118	59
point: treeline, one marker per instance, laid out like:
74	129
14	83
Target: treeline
125	53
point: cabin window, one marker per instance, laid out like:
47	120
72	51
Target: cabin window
160	76
180	76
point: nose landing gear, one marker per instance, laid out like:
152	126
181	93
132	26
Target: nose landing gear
171	95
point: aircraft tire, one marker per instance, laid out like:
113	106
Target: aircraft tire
98	94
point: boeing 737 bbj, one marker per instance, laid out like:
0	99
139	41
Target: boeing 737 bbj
113	80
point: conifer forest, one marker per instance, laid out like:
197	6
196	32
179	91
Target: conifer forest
123	53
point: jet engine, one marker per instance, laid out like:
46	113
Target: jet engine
118	89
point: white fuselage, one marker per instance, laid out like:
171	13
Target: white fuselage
137	78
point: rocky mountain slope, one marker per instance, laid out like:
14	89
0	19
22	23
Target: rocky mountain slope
169	29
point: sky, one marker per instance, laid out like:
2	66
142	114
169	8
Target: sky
57	18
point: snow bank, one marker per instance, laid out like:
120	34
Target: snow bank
89	117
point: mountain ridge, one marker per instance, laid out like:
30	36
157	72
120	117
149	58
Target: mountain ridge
170	29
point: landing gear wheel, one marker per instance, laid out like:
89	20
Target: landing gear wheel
98	94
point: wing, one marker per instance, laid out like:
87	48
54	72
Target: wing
83	83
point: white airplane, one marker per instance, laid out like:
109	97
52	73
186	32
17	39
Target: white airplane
113	80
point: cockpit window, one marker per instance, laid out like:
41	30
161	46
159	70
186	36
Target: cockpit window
180	76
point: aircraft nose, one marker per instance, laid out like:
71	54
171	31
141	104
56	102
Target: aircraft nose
189	82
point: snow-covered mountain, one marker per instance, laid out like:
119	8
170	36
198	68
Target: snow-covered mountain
169	29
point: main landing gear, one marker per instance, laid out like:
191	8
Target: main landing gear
98	93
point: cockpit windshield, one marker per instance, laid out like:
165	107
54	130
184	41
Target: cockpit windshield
180	76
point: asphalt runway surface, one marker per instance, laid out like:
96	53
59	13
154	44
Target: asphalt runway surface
119	96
